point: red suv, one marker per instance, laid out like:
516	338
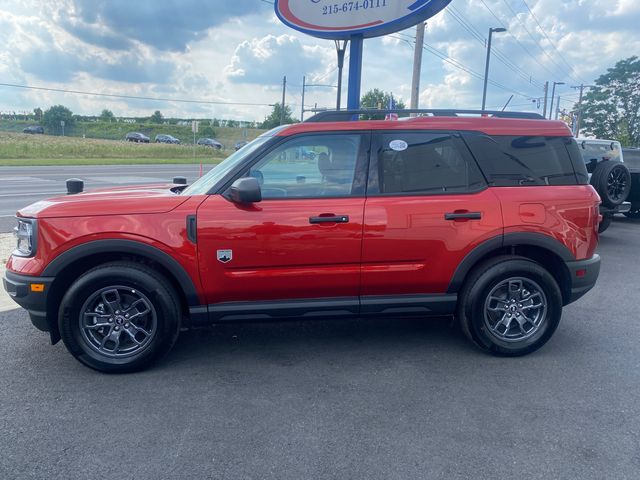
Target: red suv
489	217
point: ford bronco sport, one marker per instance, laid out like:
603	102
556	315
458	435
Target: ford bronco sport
489	217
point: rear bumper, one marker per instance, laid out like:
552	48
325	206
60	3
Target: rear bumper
622	208
35	303
584	274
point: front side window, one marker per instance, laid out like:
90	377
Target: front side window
423	163
310	166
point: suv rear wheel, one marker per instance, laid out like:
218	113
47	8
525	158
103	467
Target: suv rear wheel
510	306
119	317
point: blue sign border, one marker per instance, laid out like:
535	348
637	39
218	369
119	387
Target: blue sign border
421	10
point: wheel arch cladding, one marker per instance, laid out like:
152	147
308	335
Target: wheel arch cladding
543	249
69	265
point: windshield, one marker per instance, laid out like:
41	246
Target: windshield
204	184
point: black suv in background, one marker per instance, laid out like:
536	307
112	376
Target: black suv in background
162	138
136	137
632	161
33	129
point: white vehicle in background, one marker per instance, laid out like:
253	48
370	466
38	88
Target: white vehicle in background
608	175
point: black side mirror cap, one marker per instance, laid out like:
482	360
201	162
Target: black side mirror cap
180	180
245	190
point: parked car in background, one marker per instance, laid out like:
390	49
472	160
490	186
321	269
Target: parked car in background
210	142
136	137
162	138
33	129
608	175
632	161
239	145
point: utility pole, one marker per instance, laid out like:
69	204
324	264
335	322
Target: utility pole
341	48
553	95
582	86
302	107
557	108
417	66
546	96
284	92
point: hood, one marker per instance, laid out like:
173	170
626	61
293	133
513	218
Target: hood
109	201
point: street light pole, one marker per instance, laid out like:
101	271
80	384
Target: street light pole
486	68
553	94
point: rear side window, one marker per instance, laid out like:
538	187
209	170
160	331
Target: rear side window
596	152
423	163
527	160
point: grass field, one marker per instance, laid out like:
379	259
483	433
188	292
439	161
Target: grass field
22	149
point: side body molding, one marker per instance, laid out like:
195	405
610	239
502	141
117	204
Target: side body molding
510	239
126	246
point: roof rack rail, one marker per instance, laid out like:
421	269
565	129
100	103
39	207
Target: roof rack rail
346	115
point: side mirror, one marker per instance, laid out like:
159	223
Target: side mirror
245	190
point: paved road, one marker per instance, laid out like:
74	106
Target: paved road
388	399
22	186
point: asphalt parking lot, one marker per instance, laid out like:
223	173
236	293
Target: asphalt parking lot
392	399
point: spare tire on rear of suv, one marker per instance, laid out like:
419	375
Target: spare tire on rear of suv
612	181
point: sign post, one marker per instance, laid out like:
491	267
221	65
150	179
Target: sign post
355	21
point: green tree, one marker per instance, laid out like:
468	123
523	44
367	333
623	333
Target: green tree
274	118
53	116
611	109
377	98
38	113
156	117
207	131
106	115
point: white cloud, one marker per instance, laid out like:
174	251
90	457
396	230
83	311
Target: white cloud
241	55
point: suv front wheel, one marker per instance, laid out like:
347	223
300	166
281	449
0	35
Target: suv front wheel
119	317
510	306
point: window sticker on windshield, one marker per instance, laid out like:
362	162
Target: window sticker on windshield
398	145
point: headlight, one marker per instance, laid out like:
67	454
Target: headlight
25	234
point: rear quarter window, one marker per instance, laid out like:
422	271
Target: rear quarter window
508	160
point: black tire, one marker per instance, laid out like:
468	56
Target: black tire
605	223
122	285
474	300
612	181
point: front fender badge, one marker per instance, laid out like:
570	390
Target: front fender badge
225	256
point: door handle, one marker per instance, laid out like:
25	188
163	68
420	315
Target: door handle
463	215
329	219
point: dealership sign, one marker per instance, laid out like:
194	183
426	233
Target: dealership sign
337	20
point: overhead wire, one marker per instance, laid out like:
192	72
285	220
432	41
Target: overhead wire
542	49
133	97
501	57
562	57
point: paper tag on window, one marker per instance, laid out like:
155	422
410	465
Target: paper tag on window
398	145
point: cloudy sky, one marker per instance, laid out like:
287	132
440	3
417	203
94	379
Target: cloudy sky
236	53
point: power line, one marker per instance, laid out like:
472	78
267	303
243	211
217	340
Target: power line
525	49
133	97
460	65
536	41
549	39
502	58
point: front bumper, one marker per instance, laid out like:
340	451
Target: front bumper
19	288
584	274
